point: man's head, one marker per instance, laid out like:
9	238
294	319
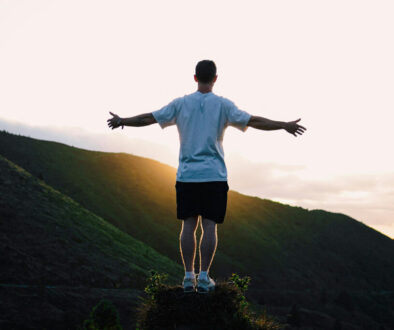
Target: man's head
205	72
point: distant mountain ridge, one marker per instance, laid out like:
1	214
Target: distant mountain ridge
292	254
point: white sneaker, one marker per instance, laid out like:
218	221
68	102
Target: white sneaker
205	285
189	284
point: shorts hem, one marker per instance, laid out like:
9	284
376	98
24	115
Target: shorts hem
217	220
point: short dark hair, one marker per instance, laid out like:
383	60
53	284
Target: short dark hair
205	71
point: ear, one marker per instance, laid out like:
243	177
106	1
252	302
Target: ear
214	79
195	78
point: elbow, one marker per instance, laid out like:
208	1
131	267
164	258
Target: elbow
151	119
253	122
146	119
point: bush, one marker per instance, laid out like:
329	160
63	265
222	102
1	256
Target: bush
104	316
155	284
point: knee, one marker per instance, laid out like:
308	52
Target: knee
187	232
189	226
208	225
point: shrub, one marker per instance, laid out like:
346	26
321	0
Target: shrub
156	282
104	316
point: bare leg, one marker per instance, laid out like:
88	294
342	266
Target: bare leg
208	243
188	242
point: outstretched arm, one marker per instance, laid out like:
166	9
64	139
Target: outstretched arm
268	125
140	120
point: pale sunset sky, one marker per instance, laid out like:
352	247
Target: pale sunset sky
65	64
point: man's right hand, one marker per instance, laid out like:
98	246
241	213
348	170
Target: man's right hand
115	121
292	127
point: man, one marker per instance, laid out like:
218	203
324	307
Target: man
201	181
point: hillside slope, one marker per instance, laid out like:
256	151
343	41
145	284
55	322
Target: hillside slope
48	238
317	258
138	196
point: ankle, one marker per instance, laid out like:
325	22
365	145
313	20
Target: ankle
190	274
203	274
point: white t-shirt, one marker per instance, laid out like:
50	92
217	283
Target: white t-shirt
201	119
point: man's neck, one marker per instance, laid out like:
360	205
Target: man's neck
205	88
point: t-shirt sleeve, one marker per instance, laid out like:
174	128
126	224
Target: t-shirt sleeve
236	117
167	115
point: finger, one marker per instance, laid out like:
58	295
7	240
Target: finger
112	113
302	127
297	120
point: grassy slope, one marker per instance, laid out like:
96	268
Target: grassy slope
138	195
48	238
283	248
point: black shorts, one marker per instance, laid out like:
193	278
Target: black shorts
208	199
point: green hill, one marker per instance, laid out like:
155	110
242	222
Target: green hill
48	238
59	259
327	262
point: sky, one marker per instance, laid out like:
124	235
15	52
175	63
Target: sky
65	64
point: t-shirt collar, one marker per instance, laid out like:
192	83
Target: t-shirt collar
198	92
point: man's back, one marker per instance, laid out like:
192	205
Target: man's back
201	119
201	185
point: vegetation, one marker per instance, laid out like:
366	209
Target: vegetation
52	240
295	249
168	307
110	217
104	316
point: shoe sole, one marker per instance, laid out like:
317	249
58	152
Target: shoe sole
189	289
203	290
